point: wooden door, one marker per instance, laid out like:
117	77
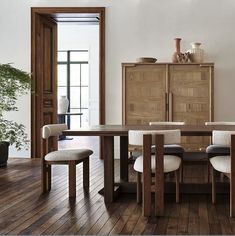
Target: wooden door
144	98
44	72
190	99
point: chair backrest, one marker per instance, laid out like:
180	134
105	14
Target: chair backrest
167	123
220	123
53	130
170	136
220	137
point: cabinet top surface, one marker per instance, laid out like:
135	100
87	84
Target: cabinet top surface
167	63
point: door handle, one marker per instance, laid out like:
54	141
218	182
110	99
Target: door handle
170	106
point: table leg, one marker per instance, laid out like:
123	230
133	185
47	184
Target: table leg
108	169
124	158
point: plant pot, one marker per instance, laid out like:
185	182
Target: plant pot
4	150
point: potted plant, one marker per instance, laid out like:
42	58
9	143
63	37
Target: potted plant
13	83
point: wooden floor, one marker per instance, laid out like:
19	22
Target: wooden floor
23	210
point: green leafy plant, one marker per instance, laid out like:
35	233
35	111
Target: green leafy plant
13	83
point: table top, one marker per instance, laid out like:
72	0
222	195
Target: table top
70	114
122	130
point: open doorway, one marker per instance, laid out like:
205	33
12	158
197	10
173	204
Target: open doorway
78	76
44	64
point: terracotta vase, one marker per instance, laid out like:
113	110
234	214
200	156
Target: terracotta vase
177	50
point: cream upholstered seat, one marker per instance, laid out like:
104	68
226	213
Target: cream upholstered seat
70	157
220	162
170	162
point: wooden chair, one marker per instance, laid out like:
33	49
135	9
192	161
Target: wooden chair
70	157
217	150
157	164
224	164
172	149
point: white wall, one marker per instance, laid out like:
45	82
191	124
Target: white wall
137	28
77	37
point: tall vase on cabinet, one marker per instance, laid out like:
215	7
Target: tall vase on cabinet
177	50
63	105
196	53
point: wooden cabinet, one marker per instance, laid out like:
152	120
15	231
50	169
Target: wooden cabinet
169	92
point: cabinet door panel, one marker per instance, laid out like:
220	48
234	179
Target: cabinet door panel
145	99
190	87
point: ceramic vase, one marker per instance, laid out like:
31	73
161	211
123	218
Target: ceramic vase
177	52
63	105
196	53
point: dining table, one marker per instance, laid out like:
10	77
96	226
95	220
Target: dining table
108	132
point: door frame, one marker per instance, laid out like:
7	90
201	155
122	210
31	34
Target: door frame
50	11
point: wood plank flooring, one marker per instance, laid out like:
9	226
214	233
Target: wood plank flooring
23	210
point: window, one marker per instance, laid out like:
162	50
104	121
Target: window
73	82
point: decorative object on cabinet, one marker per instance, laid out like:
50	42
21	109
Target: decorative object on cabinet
177	54
169	92
196	53
146	60
183	57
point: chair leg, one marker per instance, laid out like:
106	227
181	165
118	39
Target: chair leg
72	179
181	172
139	191
208	171
177	185
213	184
49	177
44	177
86	174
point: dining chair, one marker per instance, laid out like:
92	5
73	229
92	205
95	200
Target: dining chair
168	149
222	163
157	164
215	150
172	149
70	157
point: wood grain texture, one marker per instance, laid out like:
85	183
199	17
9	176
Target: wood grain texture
169	92
44	68
23	210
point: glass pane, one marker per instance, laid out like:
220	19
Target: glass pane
85	117
85	75
62	56
62	91
62	75
85	97
75	74
79	56
74	97
75	119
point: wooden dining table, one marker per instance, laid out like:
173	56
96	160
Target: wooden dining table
108	132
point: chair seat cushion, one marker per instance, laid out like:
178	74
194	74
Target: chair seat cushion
221	163
171	163
68	155
218	149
